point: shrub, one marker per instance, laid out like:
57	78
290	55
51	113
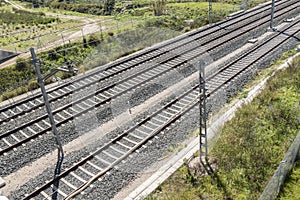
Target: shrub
110	33
21	64
8	95
32	85
159	7
92	39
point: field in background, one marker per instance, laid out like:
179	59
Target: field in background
21	29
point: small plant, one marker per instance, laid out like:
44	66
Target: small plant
21	64
8	95
32	85
159	7
110	34
171	148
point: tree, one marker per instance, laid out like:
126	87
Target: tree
109	6
21	64
159	7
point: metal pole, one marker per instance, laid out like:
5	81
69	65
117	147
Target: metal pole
82	35
63	38
202	121
39	42
272	15
200	114
60	154
210	11
101	30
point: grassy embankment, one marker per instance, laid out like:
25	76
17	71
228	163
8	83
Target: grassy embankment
250	146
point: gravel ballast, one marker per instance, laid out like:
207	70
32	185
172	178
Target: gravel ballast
139	161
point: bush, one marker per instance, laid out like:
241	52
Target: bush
159	7
24	17
8	95
94	8
32	85
93	39
21	64
110	34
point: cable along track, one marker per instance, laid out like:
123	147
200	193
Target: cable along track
27	105
76	178
172	57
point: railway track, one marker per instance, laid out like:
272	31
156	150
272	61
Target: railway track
12	111
6	116
91	168
159	61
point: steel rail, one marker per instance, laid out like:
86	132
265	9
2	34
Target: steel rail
109	66
122	70
55	98
65	120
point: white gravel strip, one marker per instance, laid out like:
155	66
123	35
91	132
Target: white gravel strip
148	186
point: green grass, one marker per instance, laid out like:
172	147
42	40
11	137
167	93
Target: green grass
176	14
250	3
20	35
71	13
30	37
191	9
202	5
250	146
291	189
